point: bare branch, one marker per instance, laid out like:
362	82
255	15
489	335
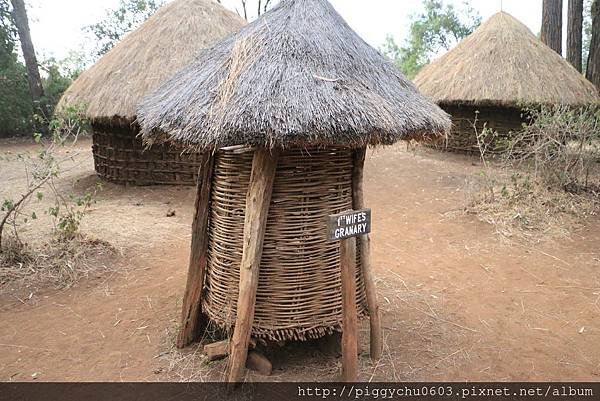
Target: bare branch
267	3
245	10
24	197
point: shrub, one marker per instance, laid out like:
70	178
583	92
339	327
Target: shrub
548	179
562	145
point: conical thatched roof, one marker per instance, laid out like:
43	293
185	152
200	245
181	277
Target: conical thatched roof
503	64
298	75
145	58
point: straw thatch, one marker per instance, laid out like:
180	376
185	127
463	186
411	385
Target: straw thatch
297	75
169	40
503	64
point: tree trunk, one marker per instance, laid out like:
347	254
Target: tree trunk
575	34
552	24
33	72
593	64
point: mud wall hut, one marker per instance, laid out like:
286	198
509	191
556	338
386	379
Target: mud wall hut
284	111
112	88
495	73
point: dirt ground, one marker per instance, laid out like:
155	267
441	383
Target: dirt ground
459	302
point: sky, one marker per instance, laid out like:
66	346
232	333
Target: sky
56	25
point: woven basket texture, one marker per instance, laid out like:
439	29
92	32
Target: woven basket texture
120	157
299	289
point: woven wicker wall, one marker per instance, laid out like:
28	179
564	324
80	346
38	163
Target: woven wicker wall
299	290
120	157
463	137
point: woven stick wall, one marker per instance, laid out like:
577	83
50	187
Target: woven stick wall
463	138
120	157
299	290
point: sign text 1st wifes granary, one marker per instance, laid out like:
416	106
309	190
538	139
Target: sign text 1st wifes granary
349	224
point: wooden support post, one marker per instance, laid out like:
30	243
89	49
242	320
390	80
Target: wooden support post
364	242
350	318
191	310
258	200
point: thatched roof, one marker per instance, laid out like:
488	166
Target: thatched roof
298	75
503	64
168	41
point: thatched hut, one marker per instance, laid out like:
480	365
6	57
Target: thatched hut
494	73
113	87
284	111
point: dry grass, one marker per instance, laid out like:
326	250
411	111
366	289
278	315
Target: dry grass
57	263
522	208
545	184
191	364
430	338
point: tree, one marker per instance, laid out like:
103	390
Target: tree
575	34
59	74
16	107
593	62
19	115
439	27
552	24
118	22
33	72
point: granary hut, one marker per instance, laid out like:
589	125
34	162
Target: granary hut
495	73
283	111
112	88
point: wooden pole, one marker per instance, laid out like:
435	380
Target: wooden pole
191	310
258	200
364	242
350	319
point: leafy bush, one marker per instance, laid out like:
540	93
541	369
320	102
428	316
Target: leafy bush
16	107
70	122
41	171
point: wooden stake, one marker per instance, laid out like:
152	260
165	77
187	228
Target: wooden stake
376	334
220	349
216	351
191	310
350	319
258	200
